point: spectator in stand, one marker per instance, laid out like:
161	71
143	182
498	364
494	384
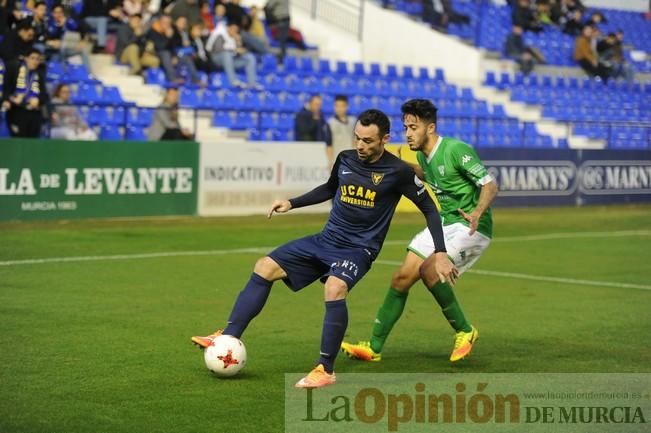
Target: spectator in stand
277	16
440	13
132	48
256	28
201	58
97	13
188	9
157	6
341	128
220	14
206	17
596	19
586	57
39	22
227	51
236	14
611	53
17	44
6	16
184	50
524	16
133	7
67	124
515	48
309	124
23	101
574	23
543	10
160	35
64	39
166	124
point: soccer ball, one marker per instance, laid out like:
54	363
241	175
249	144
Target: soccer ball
225	356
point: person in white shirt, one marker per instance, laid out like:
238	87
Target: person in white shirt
227	51
341	128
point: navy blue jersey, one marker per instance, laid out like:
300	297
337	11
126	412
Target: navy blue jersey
365	197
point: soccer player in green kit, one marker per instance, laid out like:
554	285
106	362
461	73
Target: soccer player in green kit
465	191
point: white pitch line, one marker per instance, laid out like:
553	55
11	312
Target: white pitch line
262	250
539	277
553	236
257	250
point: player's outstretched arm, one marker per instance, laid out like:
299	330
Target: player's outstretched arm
279	206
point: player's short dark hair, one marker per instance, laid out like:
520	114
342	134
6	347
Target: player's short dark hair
423	109
39	3
341	98
377	118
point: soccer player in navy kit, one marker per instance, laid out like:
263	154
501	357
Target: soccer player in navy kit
365	185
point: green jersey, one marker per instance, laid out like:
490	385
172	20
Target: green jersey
456	175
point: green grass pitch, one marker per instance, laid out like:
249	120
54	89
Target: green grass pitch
103	345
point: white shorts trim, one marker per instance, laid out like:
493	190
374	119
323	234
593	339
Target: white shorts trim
464	250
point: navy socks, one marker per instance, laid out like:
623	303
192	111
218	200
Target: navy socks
334	327
249	303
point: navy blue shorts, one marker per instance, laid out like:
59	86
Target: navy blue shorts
311	258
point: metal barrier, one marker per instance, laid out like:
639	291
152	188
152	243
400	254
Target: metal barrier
348	15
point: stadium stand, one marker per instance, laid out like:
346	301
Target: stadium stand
268	114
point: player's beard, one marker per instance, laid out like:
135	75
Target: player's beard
417	145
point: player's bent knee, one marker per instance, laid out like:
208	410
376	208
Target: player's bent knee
427	273
402	282
335	289
268	269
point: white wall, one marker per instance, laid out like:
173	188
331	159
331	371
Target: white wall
630	5
393	38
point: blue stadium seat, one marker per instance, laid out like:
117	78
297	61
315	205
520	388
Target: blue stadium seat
189	98
111	96
110	132
86	94
155	76
268	65
306	66
97	116
245	120
374	70
324	68
135	133
358	70
341	68
290	65
223	119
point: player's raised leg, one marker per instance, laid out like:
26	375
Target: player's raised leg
389	312
335	323
250	301
466	334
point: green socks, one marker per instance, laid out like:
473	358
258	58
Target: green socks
387	316
444	295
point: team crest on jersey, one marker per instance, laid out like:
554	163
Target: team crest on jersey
442	170
377	178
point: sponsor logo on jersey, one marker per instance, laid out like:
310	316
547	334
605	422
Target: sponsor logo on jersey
357	195
377	178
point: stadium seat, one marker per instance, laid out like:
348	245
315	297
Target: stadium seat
110	132
135	133
223	119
